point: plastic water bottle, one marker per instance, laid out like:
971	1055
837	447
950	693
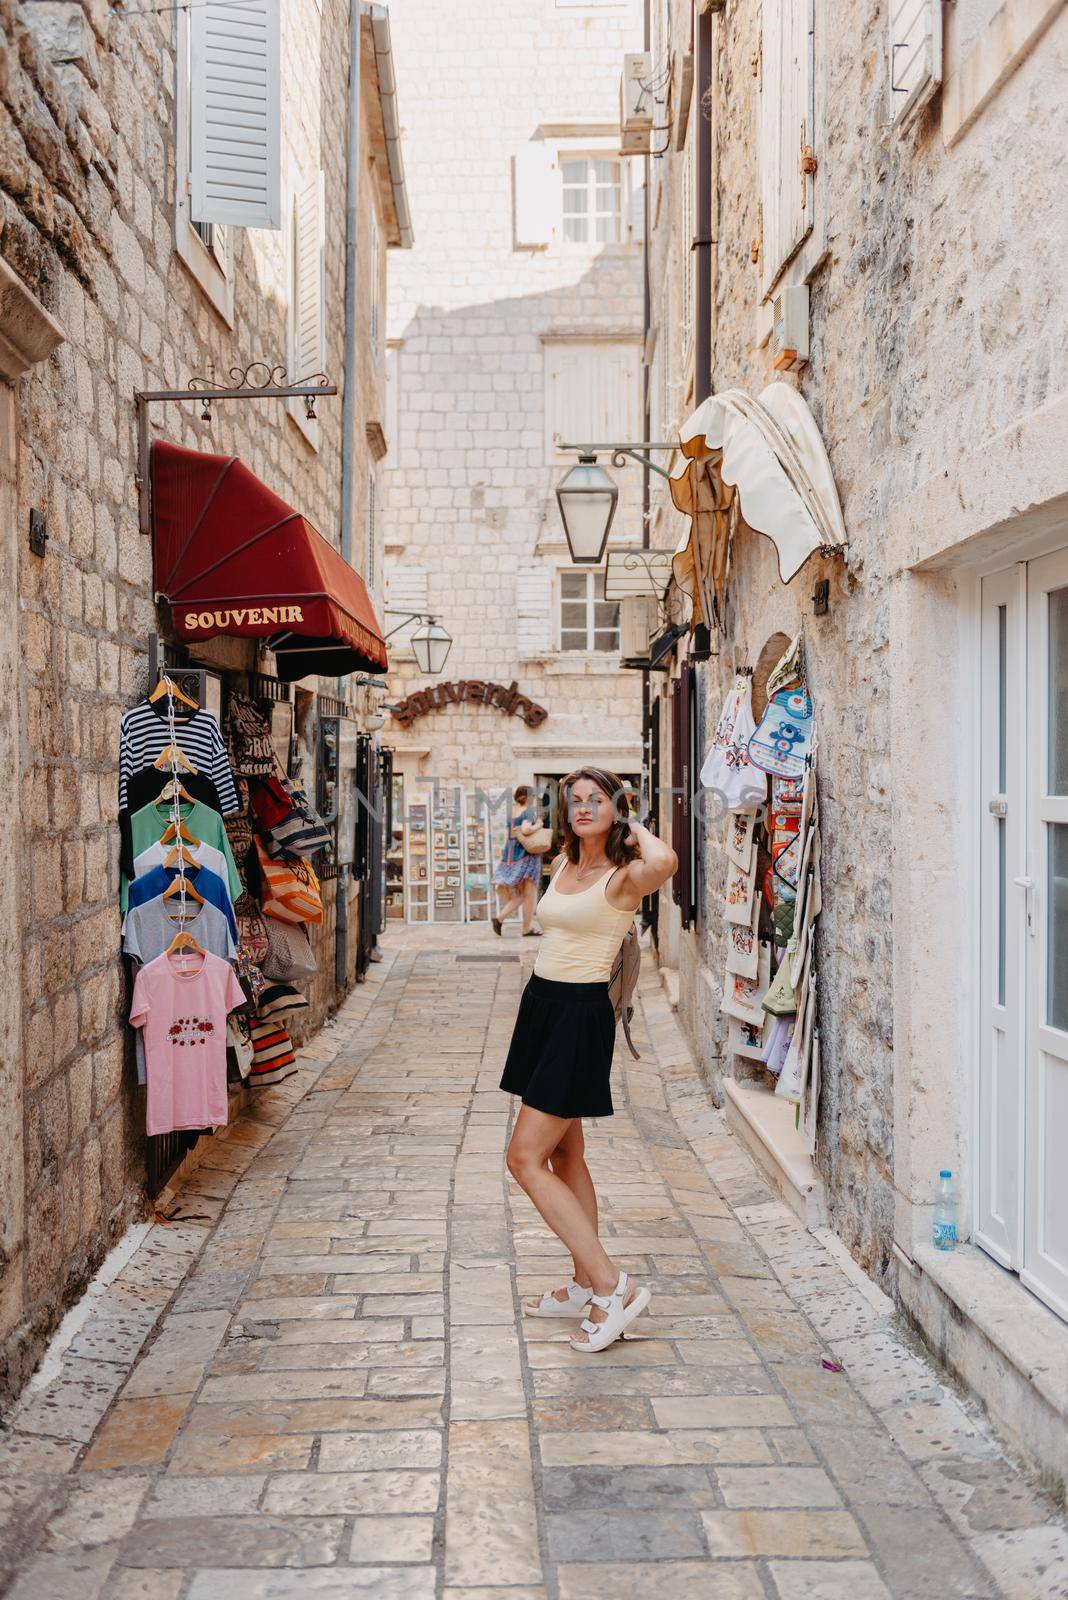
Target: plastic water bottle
945	1213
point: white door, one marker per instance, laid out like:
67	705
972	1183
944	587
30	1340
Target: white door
1002	796
1022	1215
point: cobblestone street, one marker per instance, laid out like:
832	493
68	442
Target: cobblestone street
315	1380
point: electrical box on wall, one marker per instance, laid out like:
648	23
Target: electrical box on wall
636	105
789	332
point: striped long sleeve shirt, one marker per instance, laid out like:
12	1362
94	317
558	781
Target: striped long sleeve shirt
144	734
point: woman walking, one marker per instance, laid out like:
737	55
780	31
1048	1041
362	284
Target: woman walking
560	1057
517	872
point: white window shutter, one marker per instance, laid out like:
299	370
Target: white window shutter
235	83
915	56
406	590
592	391
534	608
786	128
537	194
637	202
308	279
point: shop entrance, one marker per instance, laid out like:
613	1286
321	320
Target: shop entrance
1022	1217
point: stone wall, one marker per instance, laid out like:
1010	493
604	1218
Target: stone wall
87	195
936	316
468	487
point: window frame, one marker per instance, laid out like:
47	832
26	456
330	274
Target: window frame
211	266
592	215
591	600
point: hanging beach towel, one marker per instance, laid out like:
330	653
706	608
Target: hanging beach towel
782	742
727	769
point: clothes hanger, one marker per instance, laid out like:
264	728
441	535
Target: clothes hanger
173	832
171	756
181	886
183	940
177	856
167	686
173	789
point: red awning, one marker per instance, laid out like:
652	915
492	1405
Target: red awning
230	557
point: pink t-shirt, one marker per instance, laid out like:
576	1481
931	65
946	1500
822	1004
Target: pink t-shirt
183	1013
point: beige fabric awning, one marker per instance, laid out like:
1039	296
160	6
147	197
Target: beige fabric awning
761	461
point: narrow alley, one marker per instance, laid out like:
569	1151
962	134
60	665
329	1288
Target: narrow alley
309	1375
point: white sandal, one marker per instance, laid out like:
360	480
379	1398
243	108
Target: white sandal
619	1318
575	1305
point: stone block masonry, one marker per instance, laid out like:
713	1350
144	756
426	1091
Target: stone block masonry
88	177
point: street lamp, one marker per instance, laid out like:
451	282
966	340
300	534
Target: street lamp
431	646
587	498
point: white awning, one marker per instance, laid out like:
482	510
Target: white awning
763	461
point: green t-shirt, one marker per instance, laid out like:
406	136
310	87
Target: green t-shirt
151	822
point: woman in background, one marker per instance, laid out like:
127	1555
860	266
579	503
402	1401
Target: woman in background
518	873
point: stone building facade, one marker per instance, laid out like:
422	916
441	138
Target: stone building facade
509	326
108	288
936	319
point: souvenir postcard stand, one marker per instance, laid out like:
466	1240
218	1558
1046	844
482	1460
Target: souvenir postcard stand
395	864
447	856
476	866
418	869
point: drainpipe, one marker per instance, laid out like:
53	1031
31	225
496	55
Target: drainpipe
348	409
702	244
647	422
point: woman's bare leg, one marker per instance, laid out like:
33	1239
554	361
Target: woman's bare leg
509	901
568	1161
534	1138
528	901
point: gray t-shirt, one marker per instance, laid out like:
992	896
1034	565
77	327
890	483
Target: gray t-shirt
149	929
147	932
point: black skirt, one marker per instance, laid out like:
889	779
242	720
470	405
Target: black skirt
560	1057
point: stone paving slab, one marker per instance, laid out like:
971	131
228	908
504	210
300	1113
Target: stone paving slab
318	1383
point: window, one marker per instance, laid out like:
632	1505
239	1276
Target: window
592	391
587	620
592	189
205	248
235	119
688	197
785	133
393	405
371	572
407	591
306	270
915	49
374	330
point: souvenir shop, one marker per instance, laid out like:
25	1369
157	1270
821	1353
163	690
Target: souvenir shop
750	777
251	866
443	843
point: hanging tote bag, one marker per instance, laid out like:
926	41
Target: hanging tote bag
727	770
290	888
290	957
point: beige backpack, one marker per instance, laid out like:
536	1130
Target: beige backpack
623	982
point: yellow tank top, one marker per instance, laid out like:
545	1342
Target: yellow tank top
581	933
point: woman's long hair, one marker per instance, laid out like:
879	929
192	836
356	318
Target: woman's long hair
617	846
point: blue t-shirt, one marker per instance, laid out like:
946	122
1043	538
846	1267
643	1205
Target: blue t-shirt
208	885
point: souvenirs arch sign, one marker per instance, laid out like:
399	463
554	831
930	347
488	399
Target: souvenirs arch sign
468	691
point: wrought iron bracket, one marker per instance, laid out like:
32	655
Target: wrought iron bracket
406	617
258	381
638	451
